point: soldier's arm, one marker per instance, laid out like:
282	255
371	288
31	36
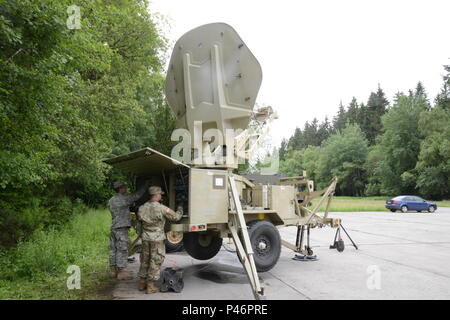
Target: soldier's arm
172	215
141	216
139	193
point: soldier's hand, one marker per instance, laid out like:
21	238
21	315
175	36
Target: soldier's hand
180	209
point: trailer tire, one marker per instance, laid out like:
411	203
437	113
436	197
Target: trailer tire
174	241
201	245
266	244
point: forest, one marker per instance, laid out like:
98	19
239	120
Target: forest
378	148
69	98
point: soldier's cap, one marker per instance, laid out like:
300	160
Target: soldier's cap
118	184
155	190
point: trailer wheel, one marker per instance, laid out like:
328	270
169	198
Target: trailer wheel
202	245
174	241
266	244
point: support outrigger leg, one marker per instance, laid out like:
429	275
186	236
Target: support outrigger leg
307	253
238	229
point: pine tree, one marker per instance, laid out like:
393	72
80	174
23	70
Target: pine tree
376	108
421	93
324	131
283	148
310	133
353	116
443	98
340	119
306	130
295	141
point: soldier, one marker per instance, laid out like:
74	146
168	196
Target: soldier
121	221
153	216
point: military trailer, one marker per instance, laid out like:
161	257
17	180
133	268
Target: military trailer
211	85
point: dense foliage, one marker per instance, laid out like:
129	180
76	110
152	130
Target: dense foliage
378	149
70	97
37	268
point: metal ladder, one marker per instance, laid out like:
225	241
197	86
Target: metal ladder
241	238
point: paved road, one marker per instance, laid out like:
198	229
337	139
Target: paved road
408	253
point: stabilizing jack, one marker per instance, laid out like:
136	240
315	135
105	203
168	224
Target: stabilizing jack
338	243
241	238
306	251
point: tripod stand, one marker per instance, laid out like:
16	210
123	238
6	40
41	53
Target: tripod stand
339	244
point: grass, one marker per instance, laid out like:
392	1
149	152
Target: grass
36	269
354	204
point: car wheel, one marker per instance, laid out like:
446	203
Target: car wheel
431	209
174	241
202	245
266	244
404	209
419	210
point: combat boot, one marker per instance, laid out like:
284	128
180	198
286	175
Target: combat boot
142	284
151	287
122	274
113	272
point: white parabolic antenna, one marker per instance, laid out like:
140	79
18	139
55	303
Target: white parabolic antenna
214	78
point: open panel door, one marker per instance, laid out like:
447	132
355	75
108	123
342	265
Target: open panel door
144	163
170	174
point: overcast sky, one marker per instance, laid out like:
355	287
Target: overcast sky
316	53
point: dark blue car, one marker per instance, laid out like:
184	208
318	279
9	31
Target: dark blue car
405	203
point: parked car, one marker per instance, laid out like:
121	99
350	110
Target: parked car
405	203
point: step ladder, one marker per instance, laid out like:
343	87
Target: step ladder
241	238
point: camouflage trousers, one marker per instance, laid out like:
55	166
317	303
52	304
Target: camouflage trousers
118	247
152	257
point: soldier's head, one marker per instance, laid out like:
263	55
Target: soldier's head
120	187
155	193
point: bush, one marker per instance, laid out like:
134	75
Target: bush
21	215
44	258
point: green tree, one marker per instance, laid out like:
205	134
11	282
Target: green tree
353	112
433	167
376	168
324	131
283	148
69	98
296	140
399	147
309	135
371	118
340	120
443	98
343	156
421	93
296	161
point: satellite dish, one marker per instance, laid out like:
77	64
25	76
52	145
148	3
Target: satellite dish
214	78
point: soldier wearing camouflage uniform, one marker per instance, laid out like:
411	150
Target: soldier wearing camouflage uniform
152	216
121	221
